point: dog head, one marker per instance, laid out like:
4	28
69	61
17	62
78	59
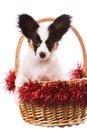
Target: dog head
44	40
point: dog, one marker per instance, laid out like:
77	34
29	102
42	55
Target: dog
40	62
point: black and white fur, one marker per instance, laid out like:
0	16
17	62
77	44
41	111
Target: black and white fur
40	62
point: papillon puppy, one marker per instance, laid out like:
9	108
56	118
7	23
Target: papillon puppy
41	62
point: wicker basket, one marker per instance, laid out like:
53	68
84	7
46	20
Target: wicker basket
62	115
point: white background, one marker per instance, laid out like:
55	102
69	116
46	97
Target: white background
70	51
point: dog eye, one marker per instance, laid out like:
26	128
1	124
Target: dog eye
49	44
36	43
56	43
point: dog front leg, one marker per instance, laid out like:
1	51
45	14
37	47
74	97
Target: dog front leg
20	80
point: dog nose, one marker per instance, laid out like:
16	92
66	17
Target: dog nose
42	54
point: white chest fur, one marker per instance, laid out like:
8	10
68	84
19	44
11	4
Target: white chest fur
41	70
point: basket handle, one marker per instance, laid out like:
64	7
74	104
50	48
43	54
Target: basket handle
17	56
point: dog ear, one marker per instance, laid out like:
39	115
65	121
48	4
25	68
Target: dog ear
27	24
60	26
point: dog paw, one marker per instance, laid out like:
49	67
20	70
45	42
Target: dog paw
20	80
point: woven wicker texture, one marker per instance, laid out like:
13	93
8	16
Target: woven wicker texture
62	115
48	116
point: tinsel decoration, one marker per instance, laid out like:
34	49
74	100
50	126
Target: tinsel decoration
10	81
55	93
77	73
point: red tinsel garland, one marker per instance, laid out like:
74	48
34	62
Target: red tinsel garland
10	80
53	93
77	73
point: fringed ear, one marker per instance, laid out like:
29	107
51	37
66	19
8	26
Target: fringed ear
60	26
27	24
